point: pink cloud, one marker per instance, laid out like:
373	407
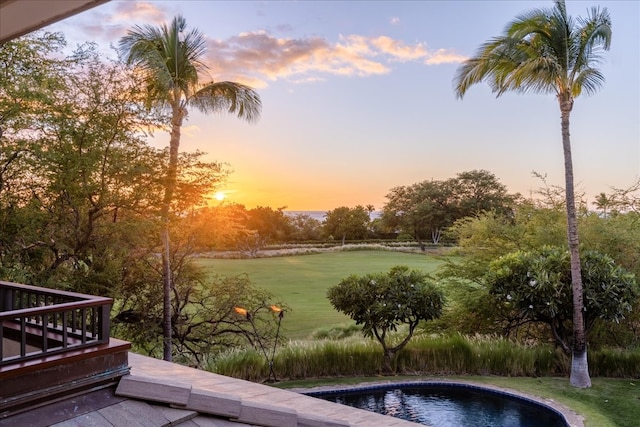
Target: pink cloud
140	11
444	56
398	49
258	57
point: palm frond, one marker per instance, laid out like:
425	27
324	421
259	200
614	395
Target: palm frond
589	80
541	51
594	36
480	67
230	97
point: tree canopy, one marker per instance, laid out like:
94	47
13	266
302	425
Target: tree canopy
346	223
535	286
424	210
384	301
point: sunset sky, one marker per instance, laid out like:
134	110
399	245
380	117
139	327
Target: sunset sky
358	98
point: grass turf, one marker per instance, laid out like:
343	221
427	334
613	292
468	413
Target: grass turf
302	281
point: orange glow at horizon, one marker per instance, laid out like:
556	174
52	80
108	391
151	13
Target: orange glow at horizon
301	193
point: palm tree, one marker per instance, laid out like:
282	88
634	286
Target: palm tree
547	51
172	68
604	202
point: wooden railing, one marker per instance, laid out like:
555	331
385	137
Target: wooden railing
41	321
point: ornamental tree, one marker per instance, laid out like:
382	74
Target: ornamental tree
535	286
383	301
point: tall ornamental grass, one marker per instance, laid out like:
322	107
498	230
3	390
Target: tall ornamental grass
327	358
615	363
424	355
459	355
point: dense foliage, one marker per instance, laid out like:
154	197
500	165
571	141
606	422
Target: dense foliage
80	197
490	241
382	302
535	286
426	209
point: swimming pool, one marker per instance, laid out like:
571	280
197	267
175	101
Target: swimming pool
448	404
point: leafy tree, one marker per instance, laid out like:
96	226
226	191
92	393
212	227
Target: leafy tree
428	208
89	174
481	191
196	181
547	51
219	227
489	235
616	235
381	302
172	67
272	225
304	228
535	286
347	223
31	70
204	320
421	209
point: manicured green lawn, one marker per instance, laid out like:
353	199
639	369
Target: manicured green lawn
608	403
302	281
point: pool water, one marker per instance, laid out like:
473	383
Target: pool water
449	405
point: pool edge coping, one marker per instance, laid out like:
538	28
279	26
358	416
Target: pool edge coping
571	417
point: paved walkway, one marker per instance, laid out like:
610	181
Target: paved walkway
264	399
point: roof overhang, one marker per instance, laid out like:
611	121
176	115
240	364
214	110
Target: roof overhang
19	17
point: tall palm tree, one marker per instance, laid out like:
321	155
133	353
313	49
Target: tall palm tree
172	67
547	51
604	202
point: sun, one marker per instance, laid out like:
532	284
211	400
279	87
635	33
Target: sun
219	196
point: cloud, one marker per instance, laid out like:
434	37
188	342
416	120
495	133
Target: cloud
111	22
258	57
394	20
139	11
398	49
443	56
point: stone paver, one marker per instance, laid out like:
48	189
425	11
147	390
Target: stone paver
92	419
254	395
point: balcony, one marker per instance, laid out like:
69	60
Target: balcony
54	344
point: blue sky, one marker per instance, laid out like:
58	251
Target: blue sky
358	98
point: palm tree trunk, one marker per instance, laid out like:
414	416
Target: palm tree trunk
167	279
579	367
166	291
